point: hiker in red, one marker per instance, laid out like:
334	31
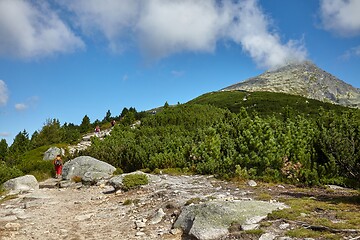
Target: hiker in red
58	163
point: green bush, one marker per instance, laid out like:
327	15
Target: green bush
133	181
7	173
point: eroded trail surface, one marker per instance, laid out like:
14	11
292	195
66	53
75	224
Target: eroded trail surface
96	212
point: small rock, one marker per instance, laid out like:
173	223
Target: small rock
12	226
267	236
175	231
246	227
158	216
140	224
334	187
303	214
84	217
284	226
252	183
138	234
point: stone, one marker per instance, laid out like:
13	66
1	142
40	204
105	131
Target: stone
12	226
267	236
87	168
52	152
284	226
158	216
25	183
252	183
84	217
211	220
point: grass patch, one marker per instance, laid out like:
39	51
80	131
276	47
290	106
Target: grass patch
173	171
118	171
130	201
76	179
8	197
193	201
322	213
264	197
132	181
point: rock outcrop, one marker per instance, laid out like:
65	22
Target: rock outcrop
52	152
21	184
89	169
211	220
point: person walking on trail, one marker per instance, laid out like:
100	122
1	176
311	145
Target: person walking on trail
97	130
58	163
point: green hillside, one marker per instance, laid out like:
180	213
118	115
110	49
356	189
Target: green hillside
264	103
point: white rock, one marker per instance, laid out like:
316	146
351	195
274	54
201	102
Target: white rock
267	236
252	183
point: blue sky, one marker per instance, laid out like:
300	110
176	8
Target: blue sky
65	59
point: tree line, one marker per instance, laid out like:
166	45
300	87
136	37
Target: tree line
204	139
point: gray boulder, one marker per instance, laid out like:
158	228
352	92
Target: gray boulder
52	152
211	220
89	169
21	184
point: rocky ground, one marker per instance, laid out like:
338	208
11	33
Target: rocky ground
98	212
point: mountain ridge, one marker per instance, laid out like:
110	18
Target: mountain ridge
303	79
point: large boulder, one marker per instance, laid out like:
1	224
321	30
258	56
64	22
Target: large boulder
211	220
89	169
52	152
21	184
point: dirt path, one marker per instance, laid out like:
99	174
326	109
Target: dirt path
81	212
97	212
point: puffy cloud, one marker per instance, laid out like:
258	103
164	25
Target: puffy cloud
21	106
251	29
4	95
341	16
31	29
114	19
165	27
30	102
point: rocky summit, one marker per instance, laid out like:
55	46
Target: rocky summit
304	79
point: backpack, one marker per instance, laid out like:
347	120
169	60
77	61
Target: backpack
57	162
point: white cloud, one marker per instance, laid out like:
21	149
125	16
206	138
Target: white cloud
4	134
31	29
21	106
341	16
165	27
353	52
251	30
4	95
30	102
114	19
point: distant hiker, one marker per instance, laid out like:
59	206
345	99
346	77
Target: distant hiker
58	163
97	130
113	123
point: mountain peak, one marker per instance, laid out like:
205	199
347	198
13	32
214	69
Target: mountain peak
303	79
